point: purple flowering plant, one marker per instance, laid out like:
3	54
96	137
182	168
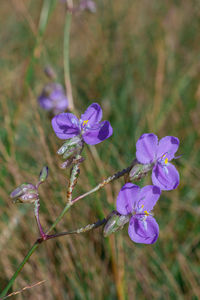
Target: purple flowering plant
134	204
138	203
53	98
158	154
89	127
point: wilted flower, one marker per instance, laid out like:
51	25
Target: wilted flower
150	151
53	98
138	203
25	193
89	127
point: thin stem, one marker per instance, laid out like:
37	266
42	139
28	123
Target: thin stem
66	59
80	230
36	210
66	208
105	181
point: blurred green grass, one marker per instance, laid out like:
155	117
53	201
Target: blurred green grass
140	61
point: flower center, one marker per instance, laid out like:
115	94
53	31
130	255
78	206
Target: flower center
85	122
166	159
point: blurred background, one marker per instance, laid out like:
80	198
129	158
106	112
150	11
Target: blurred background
140	60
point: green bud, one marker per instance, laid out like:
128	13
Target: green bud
68	144
139	171
43	174
114	223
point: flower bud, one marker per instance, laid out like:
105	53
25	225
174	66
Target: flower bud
71	148
49	72
115	222
43	174
53	98
25	193
139	171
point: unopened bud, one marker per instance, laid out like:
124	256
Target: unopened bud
139	171
43	174
71	148
25	193
48	70
115	222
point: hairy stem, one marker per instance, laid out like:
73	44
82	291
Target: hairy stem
80	230
75	171
105	181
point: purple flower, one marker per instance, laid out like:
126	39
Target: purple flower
53	98
138	203
159	154
67	125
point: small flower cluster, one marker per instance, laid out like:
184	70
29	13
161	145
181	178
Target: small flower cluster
88	129
134	204
137	203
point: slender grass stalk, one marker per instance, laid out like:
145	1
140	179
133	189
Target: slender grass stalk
26	258
46	10
66	60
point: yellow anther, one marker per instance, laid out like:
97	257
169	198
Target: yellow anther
166	160
146	213
85	122
142	205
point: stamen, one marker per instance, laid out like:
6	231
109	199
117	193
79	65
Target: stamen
146	213
85	122
166	161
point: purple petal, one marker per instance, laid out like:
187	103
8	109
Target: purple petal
65	125
93	114
45	102
168	146
53	98
97	133
148	197
146	148
166	177
127	198
143	233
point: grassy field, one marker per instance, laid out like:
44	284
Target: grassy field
140	60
